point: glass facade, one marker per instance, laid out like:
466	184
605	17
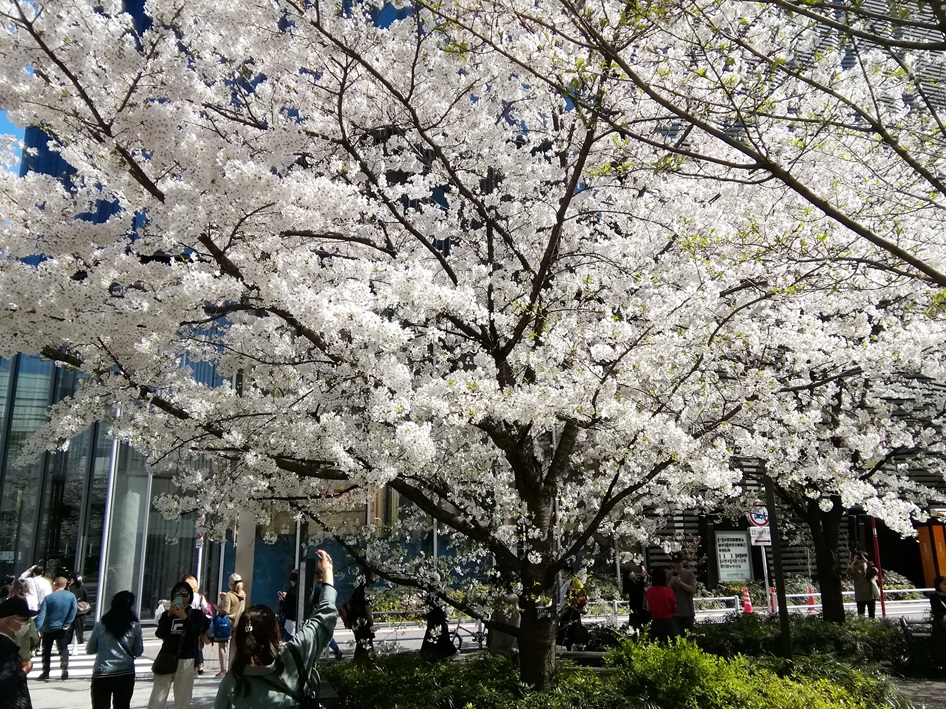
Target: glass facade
88	508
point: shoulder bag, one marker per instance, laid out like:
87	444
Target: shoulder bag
309	685
166	662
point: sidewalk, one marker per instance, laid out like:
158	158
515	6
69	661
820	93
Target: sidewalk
925	694
74	693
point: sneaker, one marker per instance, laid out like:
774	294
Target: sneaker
220	674
65	674
43	676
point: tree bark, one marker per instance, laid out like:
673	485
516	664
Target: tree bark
826	534
537	629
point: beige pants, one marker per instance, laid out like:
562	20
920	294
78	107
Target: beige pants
183	681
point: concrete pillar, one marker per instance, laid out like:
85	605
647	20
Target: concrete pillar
246	551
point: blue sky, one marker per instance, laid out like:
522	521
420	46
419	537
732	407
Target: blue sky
7	127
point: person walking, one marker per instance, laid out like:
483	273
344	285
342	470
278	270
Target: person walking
662	603
200	603
56	615
288	601
231	605
262	675
362	620
115	641
572	602
38	584
635	586
15	613
866	590
682	582
333	646
77	588
180	629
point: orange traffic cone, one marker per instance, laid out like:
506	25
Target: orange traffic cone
811	600
746	601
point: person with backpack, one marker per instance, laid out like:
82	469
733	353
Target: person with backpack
77	588
226	618
115	641
262	675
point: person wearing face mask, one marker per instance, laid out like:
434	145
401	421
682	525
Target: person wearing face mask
15	615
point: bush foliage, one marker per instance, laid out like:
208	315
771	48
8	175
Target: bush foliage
858	641
642	676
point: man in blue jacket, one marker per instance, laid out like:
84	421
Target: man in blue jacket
56	616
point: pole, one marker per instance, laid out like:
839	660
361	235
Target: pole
880	571
779	573
765	571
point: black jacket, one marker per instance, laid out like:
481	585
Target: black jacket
14	693
182	635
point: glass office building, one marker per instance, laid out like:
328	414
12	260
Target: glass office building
88	508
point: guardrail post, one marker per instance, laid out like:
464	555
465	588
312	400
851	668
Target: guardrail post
737	605
614	611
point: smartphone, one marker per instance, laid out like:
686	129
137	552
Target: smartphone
178	601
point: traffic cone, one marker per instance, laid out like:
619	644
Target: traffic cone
773	600
811	600
746	601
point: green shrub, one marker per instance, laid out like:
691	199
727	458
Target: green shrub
606	636
868	683
644	676
857	641
405	681
684	677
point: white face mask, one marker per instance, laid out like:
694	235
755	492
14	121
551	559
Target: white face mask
23	631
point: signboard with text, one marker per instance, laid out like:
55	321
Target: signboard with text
732	556
761	536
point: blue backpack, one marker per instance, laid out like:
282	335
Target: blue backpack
221	627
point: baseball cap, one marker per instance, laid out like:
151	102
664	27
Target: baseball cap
235	578
16	606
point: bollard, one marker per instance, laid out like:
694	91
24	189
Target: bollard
773	600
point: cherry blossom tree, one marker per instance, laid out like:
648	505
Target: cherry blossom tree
416	269
839	102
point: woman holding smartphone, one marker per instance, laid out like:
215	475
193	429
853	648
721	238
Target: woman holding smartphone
265	674
180	627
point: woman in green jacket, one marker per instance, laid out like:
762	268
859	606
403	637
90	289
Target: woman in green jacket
262	676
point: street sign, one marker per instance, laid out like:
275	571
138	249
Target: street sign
732	556
760	536
759	516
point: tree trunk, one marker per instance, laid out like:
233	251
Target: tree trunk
826	533
537	628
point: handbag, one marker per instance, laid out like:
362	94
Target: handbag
164	664
83	607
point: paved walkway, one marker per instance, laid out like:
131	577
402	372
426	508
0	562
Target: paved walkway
925	694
